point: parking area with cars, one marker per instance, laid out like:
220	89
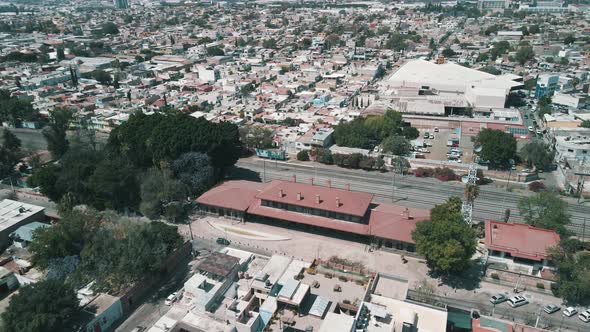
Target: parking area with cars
549	309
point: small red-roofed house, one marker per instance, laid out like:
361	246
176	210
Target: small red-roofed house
519	245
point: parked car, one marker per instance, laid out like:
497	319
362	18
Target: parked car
498	298
517	301
171	298
222	240
138	329
531	129
570	311
436	129
551	308
585	316
426	135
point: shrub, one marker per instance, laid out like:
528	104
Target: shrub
346	302
537	186
423	172
328	275
445	174
540	285
310	271
343	278
303	155
495	276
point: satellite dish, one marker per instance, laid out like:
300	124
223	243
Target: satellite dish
477	148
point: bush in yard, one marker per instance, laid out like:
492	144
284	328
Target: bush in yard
343	278
495	276
540	285
422	172
444	174
303	155
537	186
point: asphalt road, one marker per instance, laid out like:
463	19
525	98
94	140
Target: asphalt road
404	190
528	314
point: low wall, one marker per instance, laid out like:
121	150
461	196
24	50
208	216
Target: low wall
509	278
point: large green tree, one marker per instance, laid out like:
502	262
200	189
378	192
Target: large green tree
545	210
538	154
162	195
256	137
10	154
48	305
573	274
397	145
14	109
148	140
66	238
194	170
497	146
55	132
450	209
446	242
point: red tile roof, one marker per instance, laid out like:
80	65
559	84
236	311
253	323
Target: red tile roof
395	222
385	221
237	195
308	219
352	203
520	240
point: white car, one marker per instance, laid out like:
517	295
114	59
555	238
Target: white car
171	298
570	311
584	316
531	129
517	301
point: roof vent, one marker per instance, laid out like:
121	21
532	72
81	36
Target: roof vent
281	193
299	196
317	199
338	202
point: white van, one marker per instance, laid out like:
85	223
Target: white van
517	301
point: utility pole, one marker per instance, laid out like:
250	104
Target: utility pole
263	170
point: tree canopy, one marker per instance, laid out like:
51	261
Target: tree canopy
538	154
446	241
397	145
10	154
368	132
14	109
48	305
148	140
55	132
497	146
545	210
256	137
112	251
573	274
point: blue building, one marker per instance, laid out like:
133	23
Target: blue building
547	84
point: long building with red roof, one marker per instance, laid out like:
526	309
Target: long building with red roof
325	210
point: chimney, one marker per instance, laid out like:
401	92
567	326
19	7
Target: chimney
328	183
317	199
294	178
281	194
337	201
348	186
299	196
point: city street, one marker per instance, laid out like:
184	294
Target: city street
405	190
